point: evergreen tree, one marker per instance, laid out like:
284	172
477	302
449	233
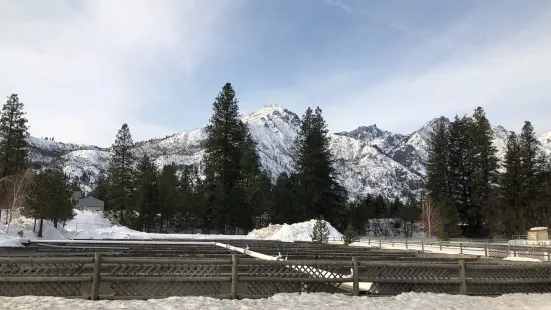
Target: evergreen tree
286	205
101	191
121	172
508	212
349	235
224	195
485	165
320	231
439	179
190	211
147	194
319	190
253	180
531	175
169	195
50	198
360	212
13	133
461	160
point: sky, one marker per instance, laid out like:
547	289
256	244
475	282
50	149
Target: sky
84	67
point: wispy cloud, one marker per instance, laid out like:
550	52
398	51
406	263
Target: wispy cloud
500	70
82	68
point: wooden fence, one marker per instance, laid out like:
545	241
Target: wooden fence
106	277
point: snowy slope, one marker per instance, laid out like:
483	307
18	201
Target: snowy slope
386	141
413	151
368	159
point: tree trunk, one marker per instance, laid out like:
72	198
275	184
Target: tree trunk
55	223
161	227
40	228
34	226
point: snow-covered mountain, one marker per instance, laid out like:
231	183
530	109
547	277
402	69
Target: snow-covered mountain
368	159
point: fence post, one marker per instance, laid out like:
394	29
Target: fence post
406	244
462	278
549	256
422	246
96	277
380	244
486	250
392	242
234	264
440	243
461	247
355	277
369	240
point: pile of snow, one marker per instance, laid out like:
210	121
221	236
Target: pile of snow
23	227
290	233
9	241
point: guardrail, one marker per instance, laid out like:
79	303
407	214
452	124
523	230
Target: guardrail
101	278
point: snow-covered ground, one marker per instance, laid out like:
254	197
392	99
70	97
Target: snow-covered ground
93	225
421	301
434	249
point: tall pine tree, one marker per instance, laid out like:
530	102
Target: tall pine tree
318	188
169	195
485	165
531	175
147	194
224	196
13	133
121	172
101	191
439	180
256	185
462	171
509	214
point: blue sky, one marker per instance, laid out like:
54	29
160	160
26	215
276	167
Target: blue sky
82	68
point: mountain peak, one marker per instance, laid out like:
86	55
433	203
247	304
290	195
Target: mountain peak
271	112
374	136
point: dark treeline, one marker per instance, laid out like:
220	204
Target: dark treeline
476	194
232	193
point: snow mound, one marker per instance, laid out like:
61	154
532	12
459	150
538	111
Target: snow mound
290	233
24	227
9	241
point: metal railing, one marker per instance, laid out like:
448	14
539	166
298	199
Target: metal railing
489	250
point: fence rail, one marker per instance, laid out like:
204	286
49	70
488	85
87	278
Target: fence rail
106	277
489	250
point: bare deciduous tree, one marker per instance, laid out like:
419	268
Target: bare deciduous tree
430	214
15	193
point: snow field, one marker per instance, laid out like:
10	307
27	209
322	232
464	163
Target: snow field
318	301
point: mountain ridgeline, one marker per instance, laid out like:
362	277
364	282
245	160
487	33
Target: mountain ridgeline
368	160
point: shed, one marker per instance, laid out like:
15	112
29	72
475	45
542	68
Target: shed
538	234
91	204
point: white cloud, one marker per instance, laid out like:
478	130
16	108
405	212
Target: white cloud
82	67
499	70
